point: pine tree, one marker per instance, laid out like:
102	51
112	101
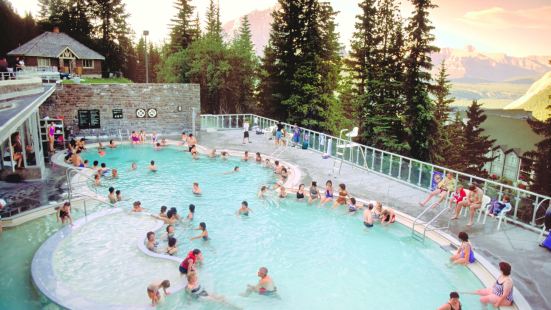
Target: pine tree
52	13
110	24
477	145
214	26
441	92
77	22
14	29
542	156
183	29
420	121
453	147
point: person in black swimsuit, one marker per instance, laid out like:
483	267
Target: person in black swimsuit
453	303
64	213
300	192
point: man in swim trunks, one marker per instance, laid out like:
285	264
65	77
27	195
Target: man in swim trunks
368	216
191	141
265	285
473	202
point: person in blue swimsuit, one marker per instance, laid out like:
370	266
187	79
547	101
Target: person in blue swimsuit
501	293
464	254
328	193
204	233
244	210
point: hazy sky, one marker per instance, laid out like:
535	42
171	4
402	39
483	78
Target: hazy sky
513	27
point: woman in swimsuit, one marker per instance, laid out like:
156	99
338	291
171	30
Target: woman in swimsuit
17	150
244	210
64	213
314	192
501	293
328	193
171	249
134	138
51	132
300	192
464	254
341	200
453	303
204	233
191	212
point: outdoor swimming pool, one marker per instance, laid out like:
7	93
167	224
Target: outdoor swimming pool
319	258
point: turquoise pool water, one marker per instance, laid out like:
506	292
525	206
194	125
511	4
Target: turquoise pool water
320	258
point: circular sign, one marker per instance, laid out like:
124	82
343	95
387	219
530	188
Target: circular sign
140	113
152	113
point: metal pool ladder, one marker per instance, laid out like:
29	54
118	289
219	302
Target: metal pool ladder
427	226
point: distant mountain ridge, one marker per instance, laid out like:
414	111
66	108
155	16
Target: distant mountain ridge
464	65
536	99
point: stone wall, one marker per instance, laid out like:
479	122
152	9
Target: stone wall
173	102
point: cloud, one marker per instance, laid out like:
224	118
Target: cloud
500	18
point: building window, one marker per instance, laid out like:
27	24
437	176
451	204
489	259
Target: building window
44	62
88	63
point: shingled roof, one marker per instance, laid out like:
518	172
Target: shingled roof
51	44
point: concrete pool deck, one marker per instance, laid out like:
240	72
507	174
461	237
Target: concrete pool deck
531	263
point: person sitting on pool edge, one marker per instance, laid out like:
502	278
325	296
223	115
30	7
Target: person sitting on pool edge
258	158
204	232
137	206
152	166
368	216
189	263
453	303
464	254
244	209
153	291
151	243
314	192
265	285
195	189
300	192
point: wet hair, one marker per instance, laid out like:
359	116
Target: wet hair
67	204
463	236
203	225
152	162
196	251
342	186
183	132
168	227
111	190
314	183
246	152
235	168
166	283
191	135
136	203
173	209
506	198
328	183
370	206
171	212
353	200
96	162
263	188
301	185
264	269
103	165
276	162
454	295
163	209
158	144
149	234
245	203
86	161
171	241
78	151
195	183
283	169
505	268
192	208
111	141
117	192
257	153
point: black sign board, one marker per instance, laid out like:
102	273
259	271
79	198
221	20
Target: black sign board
88	119
117	113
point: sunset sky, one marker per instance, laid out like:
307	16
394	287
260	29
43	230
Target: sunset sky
514	27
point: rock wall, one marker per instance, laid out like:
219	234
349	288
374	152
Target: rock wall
173	103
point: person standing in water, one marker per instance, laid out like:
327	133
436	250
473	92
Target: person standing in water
152	166
204	232
265	285
244	210
153	291
453	303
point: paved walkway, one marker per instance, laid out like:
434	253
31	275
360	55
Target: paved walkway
531	264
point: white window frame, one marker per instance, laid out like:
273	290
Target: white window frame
84	63
43	62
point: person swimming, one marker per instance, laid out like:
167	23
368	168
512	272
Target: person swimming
152	166
163	212
112	144
114	173
204	233
171	249
119	195
112	197
191	212
151	243
244	209
137	206
368	216
262	192
134	166
195	189
265	285
235	169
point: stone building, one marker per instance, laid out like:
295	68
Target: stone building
56	51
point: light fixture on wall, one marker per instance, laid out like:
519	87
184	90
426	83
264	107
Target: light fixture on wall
179	108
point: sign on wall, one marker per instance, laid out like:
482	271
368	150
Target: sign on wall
117	113
89	119
140	113
151	113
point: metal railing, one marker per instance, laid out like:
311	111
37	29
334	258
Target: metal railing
46	76
527	205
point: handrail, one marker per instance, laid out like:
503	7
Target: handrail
401	168
69	173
